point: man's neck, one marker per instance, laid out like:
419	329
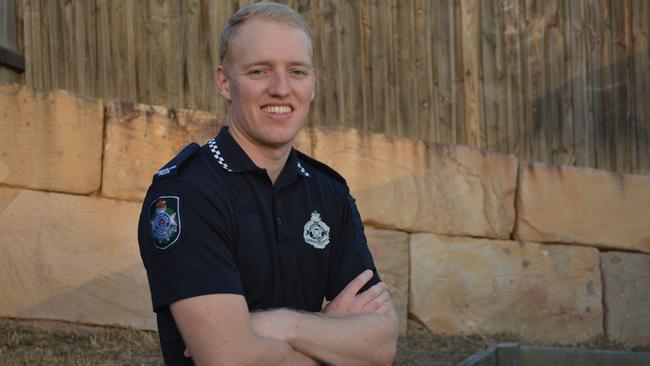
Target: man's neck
273	159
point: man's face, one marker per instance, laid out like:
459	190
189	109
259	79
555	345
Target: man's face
269	79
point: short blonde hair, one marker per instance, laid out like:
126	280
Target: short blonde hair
274	12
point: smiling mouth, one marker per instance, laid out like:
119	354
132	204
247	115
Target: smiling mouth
277	109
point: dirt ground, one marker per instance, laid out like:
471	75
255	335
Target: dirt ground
32	342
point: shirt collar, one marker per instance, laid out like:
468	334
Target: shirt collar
232	158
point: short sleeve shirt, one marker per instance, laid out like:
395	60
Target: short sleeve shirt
213	222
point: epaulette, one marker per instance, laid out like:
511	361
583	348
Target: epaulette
322	167
171	168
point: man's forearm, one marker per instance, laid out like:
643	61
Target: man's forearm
357	339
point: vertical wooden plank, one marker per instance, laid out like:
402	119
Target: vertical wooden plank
536	93
118	49
33	55
103	52
328	77
608	158
338	66
365	88
46	38
600	55
568	127
622	87
458	68
20	35
580	88
640	25
471	69
8	36
8	25
501	132
164	66
377	80
492	65
423	75
314	19
211	29
407	108
443	12
89	39
393	69
559	126
527	126
514	103
351	64
71	66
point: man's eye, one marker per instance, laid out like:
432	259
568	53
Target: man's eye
300	72
256	72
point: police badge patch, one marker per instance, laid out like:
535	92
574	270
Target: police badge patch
165	221
316	233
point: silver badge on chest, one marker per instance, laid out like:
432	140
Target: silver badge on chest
316	233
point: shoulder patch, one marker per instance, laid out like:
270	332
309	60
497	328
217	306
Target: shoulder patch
322	167
165	219
171	168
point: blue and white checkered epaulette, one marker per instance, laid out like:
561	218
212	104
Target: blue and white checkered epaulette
322	167
171	168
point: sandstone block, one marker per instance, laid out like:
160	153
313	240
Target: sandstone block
626	283
50	140
390	250
72	258
140	139
542	293
587	206
414	186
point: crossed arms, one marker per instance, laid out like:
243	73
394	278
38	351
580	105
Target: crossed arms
359	329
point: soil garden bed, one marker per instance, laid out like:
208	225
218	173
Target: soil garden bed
40	342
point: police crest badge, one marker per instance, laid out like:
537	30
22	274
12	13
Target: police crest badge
165	221
316	233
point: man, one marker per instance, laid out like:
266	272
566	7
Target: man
243	238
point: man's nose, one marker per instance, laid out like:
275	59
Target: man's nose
280	85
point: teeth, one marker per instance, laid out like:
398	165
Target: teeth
277	109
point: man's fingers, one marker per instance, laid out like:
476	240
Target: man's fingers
356	284
384	309
378	301
371	293
186	353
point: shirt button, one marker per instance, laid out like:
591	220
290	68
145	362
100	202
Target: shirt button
277	219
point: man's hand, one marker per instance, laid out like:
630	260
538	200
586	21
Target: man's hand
375	299
334	336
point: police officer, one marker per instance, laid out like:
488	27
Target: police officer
244	237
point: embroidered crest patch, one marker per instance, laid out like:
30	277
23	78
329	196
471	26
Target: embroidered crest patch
165	221
316	233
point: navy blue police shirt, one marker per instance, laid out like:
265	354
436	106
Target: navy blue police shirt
213	222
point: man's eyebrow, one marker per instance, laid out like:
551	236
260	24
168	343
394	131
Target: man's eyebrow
269	63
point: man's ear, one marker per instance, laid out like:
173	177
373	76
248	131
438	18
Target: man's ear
223	83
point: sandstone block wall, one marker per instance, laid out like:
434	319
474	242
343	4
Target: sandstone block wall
583	206
544	293
50	141
467	241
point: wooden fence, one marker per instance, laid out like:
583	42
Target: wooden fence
560	81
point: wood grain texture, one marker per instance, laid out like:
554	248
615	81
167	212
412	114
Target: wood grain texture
556	81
